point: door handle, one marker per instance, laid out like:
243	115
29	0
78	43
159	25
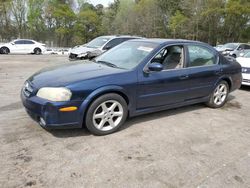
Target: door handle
184	77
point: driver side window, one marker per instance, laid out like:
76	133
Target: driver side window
18	42
112	44
171	57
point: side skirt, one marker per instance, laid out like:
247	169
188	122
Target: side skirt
167	107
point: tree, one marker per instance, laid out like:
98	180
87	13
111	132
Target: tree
64	22
7	30
176	24
19	10
236	20
124	18
87	26
35	18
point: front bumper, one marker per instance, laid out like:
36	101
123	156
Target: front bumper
73	56
47	113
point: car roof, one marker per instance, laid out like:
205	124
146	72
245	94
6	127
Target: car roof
165	41
23	39
237	43
119	36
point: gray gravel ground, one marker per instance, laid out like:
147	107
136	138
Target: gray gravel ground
193	146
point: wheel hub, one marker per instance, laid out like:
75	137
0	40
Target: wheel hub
220	94
108	115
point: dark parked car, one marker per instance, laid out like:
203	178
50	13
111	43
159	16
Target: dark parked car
137	77
98	46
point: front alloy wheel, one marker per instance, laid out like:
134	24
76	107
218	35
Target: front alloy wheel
106	114
219	95
4	50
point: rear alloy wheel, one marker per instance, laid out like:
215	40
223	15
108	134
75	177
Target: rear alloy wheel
219	96
37	51
106	114
4	50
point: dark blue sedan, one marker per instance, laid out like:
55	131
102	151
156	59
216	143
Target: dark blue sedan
137	77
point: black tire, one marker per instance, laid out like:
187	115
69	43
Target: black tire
37	51
221	94
96	105
4	50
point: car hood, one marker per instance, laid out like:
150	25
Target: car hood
244	62
83	49
63	75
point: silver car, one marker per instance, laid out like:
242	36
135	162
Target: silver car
234	49
97	46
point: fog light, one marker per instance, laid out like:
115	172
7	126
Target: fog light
42	122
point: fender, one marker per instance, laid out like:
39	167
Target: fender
102	90
224	77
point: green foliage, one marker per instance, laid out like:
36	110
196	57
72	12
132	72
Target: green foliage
35	20
70	22
177	22
87	26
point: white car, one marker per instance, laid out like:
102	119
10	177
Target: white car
22	46
245	64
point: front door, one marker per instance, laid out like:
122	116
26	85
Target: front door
168	86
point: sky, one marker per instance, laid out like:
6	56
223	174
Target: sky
104	2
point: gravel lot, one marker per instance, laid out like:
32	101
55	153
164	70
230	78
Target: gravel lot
193	146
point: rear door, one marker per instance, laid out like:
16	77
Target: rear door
28	46
203	70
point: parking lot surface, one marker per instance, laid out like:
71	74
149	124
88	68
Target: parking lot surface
192	146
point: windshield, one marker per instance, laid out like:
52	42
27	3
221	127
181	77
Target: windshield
127	55
98	42
247	55
231	45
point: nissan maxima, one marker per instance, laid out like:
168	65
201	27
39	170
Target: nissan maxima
136	77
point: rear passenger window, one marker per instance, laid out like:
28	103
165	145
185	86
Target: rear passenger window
247	47
28	42
200	56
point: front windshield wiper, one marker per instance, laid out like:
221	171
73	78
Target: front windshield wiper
108	64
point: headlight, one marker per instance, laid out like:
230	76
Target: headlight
54	94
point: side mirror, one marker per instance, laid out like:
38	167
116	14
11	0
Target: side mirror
155	67
240	49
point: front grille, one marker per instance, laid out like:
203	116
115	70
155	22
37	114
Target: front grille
27	89
72	56
246	81
245	70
